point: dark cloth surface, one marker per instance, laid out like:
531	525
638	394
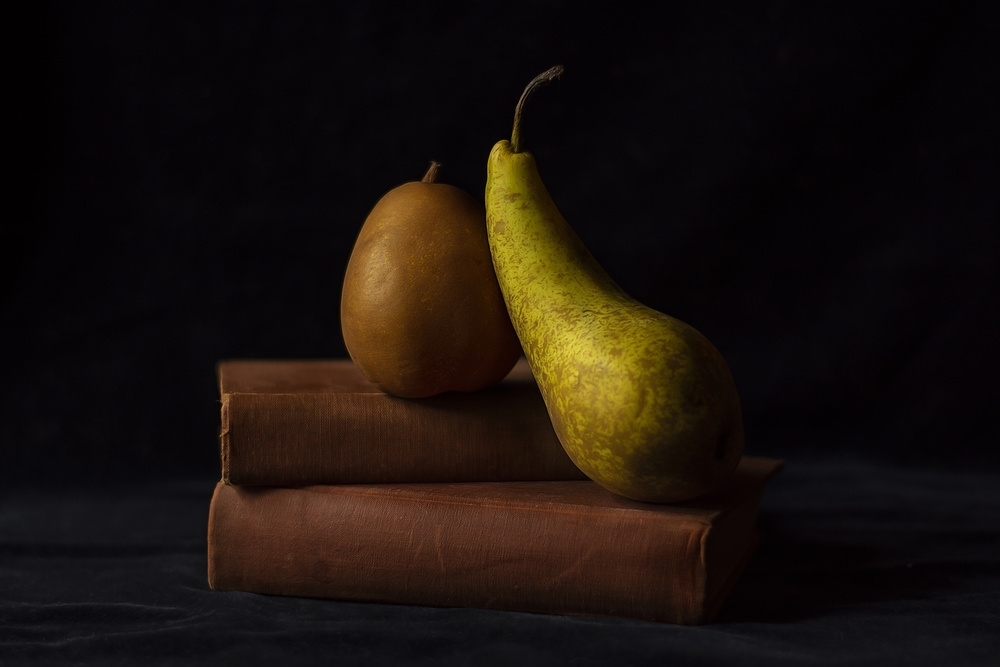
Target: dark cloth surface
859	565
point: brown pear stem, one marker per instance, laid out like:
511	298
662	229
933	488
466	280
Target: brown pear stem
432	172
542	79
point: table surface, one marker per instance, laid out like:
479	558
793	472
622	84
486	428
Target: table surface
859	564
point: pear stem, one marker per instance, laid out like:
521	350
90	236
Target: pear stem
432	172
542	79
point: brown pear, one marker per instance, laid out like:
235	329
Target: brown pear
421	311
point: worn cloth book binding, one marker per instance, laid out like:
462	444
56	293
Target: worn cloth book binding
297	423
558	547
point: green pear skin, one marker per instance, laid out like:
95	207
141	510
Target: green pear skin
642	403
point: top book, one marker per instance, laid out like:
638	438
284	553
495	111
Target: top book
306	422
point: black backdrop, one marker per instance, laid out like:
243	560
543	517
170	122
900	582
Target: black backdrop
812	186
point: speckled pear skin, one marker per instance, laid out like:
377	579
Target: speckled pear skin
642	403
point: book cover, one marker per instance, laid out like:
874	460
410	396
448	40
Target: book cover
306	422
558	547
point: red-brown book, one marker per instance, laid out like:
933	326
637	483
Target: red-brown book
562	547
302	422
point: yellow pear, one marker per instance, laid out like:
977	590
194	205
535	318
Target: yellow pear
642	403
421	312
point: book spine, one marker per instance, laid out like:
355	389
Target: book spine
347	543
303	439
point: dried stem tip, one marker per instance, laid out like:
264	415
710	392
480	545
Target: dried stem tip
548	76
432	172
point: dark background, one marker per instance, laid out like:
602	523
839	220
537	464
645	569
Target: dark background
812	186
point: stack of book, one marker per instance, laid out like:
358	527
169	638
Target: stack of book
333	489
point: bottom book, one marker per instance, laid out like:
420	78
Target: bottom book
567	547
